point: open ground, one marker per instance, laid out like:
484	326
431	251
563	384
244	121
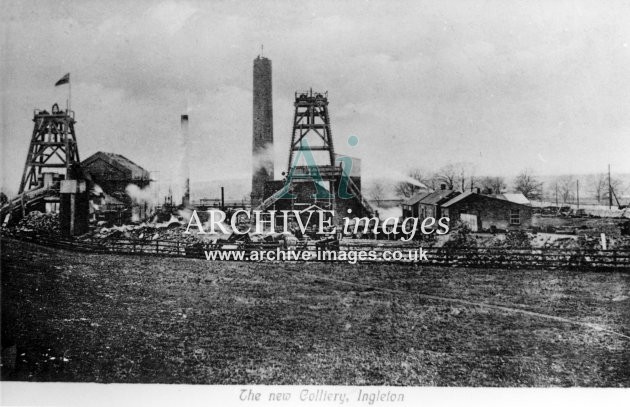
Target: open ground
132	319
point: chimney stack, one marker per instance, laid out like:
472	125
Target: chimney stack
184	129
262	143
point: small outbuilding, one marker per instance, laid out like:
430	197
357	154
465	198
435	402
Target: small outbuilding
489	212
410	207
427	204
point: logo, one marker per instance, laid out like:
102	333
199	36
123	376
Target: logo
312	171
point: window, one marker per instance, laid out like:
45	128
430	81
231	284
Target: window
515	217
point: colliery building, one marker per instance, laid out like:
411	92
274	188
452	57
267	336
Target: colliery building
113	172
312	137
339	176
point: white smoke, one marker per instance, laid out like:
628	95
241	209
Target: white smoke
394	176
98	190
146	195
410	180
185	214
398	176
263	158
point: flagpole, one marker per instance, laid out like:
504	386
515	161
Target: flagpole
69	93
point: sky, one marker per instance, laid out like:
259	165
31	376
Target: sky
503	85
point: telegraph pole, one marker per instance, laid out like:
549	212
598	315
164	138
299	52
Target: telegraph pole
577	192
609	190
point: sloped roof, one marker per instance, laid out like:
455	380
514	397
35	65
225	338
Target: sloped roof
458	198
416	197
518	198
514	198
434	198
311	208
121	162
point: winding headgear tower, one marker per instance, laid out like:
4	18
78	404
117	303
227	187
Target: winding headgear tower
53	146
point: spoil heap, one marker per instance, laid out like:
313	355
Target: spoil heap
36	222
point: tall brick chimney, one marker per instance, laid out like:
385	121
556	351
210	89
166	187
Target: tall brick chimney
185	136
262	146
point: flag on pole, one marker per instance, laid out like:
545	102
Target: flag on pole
64	80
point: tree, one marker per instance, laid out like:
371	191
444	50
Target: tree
598	184
447	175
413	182
377	193
527	184
494	184
456	176
617	188
566	188
3	198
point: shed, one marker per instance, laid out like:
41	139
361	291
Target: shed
410	206
489	212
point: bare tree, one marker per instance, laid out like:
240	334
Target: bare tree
527	184
598	184
617	186
566	188
494	184
377	193
457	176
414	182
432	182
448	175
552	191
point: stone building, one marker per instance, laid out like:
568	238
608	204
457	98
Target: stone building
489	212
427	204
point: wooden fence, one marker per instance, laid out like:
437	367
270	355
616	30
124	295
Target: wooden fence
543	258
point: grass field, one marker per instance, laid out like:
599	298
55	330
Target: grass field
108	318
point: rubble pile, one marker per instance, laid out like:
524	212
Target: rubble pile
171	229
38	222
